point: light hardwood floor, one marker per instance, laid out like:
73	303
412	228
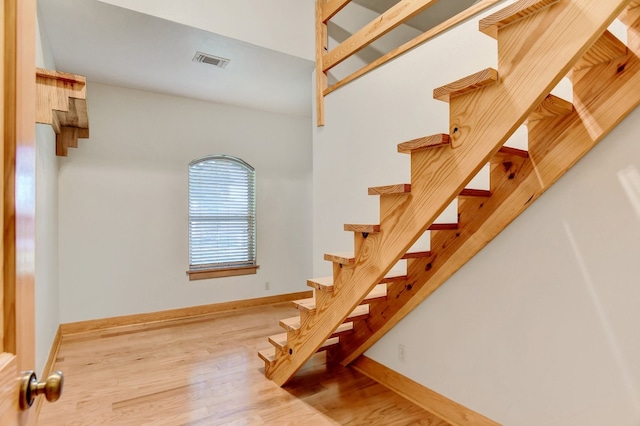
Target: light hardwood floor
206	371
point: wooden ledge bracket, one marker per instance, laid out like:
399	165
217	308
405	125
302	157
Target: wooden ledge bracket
61	100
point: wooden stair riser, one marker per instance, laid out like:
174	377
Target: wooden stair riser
603	98
605	49
551	106
608	48
390	204
358	239
486	118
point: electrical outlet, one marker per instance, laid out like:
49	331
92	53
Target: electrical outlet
267	285
402	352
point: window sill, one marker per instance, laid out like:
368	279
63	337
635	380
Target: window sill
203	274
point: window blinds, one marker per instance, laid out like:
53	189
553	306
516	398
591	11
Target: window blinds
222	219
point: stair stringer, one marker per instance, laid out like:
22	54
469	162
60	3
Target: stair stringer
481	121
603	97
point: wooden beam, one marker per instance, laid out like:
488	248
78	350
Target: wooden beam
439	405
603	97
331	7
396	15
321	76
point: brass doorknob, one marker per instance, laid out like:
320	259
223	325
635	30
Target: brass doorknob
30	388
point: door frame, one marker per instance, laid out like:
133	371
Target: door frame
17	79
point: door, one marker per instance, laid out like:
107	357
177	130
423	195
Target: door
17	125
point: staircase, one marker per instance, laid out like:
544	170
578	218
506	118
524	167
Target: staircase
539	42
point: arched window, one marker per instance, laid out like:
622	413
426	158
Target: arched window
222	217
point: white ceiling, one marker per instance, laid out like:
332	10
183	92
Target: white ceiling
112	45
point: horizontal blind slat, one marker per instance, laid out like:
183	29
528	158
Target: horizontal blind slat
222	225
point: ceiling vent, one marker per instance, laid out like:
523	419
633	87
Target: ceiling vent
211	60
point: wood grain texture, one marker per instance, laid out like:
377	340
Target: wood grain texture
470	192
369	229
210	376
349	258
510	14
378	293
402	188
551	106
606	48
61	102
426	142
606	94
422	38
507	151
466	84
321	49
439	405
396	15
152	319
18	29
631	17
325	284
293	324
485	119
331	7
9	390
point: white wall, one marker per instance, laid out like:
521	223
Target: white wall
123	203
46	277
283	25
541	326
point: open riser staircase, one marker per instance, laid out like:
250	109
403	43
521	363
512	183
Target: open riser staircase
364	298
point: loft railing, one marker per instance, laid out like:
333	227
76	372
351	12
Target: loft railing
398	14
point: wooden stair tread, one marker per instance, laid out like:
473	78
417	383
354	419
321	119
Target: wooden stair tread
470	192
605	49
368	229
551	106
372	229
280	340
510	14
402	188
433	141
378	293
359	313
326	283
348	258
507	153
268	355
466	84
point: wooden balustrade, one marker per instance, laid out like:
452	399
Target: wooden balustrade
387	21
